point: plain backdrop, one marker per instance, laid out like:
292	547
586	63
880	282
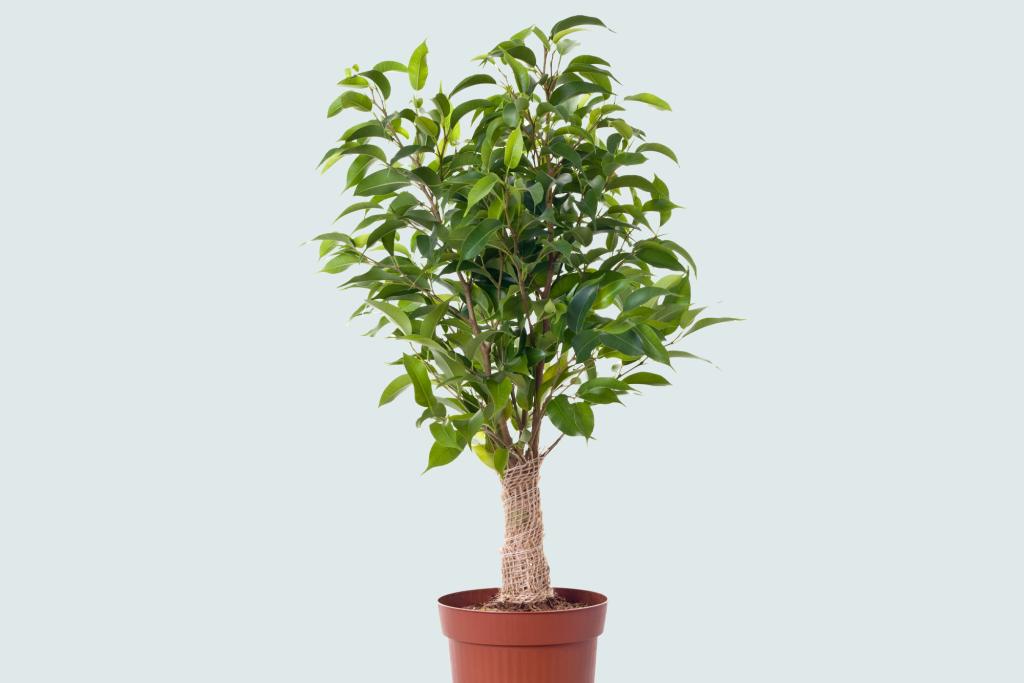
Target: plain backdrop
196	483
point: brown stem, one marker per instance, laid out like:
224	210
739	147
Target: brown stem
485	348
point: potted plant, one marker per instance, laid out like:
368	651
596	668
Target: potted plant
508	235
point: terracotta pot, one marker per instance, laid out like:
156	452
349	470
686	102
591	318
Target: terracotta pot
523	647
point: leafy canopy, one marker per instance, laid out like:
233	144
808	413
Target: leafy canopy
505	231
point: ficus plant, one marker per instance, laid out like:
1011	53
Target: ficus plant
505	231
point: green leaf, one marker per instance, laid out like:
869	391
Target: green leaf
636	181
514	148
682	252
417	371
646	378
648	98
380	80
572	419
349	99
478	238
500	458
394	313
446	435
580	306
628	343
441	455
687	354
642	296
497	459
480	190
418	67
659	148
430	320
340	263
393	389
602	390
367	129
584	343
573	89
369	150
431	344
659	256
466	107
381	182
652	344
574	21
390	66
708	322
470	81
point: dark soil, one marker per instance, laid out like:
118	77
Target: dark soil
555	604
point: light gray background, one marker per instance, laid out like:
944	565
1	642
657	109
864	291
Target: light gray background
197	485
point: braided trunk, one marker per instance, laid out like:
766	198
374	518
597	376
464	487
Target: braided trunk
525	576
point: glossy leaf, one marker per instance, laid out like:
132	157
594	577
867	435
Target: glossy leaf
350	99
394	389
469	81
381	182
395	314
659	148
420	379
648	98
573	89
390	66
648	378
708	322
574	21
580	305
572	419
480	190
441	455
478	238
418	67
514	148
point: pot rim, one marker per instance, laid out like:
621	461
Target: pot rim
601	601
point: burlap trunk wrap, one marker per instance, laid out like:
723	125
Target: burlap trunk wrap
525	575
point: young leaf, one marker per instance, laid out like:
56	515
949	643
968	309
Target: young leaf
480	190
649	378
417	371
441	455
708	322
394	313
648	98
394	388
390	66
418	67
350	99
478	238
514	148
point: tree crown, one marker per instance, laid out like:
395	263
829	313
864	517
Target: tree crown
509	238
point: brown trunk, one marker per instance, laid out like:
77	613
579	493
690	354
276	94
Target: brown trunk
525	577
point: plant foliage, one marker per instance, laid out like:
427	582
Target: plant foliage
505	230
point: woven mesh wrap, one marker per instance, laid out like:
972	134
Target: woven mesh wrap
526	577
